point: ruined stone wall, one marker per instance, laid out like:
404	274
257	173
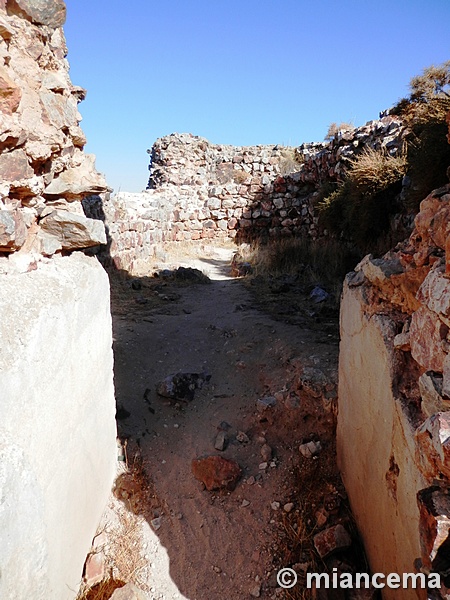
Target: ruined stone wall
57	443
198	190
394	399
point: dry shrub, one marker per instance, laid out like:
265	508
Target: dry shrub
361	207
375	170
334	129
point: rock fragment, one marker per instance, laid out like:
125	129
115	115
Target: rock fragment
430	387
266	402
310	449
182	386
242	437
332	539
216	473
221	441
266	453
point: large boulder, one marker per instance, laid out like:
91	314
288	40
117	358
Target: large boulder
57	432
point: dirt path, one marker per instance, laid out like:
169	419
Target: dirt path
220	545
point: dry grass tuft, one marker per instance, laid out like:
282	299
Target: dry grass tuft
126	547
323	262
334	129
240	176
289	161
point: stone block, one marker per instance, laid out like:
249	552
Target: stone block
12	230
74	231
58	433
434	508
431	222
78	181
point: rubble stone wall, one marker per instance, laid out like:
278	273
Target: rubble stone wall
394	399
57	443
200	191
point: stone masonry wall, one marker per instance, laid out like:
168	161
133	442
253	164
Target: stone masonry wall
394	400
198	190
57	442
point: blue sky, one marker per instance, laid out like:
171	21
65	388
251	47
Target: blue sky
240	72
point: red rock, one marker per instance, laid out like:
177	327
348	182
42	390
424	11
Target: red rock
332	539
10	94
447	256
14	166
279	185
216	472
426	334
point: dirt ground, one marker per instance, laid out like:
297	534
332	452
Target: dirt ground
203	545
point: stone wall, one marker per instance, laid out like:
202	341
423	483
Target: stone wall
198	190
57	443
394	398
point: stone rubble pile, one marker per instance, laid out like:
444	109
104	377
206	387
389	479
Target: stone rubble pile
198	190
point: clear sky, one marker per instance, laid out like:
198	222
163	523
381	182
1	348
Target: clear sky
240	72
